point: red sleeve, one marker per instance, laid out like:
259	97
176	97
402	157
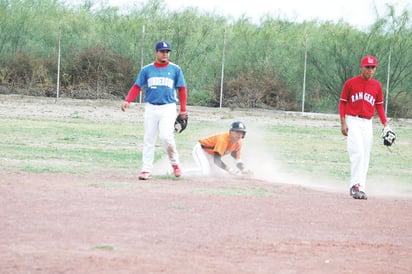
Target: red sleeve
379	105
133	93
182	98
381	113
343	101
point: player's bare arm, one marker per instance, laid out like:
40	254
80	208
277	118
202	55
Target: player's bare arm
344	127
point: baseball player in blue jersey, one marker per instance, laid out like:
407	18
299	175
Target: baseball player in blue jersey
161	79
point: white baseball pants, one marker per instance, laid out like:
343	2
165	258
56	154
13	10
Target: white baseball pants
359	145
159	119
202	159
205	162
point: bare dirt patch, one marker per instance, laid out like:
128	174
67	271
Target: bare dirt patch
109	223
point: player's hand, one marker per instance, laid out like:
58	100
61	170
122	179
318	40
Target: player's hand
124	106
183	115
344	129
233	171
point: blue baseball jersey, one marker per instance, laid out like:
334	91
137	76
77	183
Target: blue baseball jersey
161	83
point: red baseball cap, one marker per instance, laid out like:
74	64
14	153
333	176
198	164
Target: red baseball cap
369	60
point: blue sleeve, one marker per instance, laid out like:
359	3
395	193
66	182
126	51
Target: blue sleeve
141	79
180	81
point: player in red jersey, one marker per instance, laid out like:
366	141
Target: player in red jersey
361	95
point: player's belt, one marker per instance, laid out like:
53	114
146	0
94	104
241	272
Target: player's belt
157	104
207	147
363	117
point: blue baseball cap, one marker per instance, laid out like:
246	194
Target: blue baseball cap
163	45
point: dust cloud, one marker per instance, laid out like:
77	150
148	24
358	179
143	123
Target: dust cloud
264	161
266	164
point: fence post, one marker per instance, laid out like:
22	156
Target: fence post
223	69
58	63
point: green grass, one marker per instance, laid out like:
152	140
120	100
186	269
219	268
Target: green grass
236	191
113	185
323	151
67	145
103	247
314	150
180	207
78	144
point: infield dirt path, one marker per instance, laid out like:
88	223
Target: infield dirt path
108	223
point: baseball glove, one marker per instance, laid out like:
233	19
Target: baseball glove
181	122
388	136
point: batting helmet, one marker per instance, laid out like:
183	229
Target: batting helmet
238	126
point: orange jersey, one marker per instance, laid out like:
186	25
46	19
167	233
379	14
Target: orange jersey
220	143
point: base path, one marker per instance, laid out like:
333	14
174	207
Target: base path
113	223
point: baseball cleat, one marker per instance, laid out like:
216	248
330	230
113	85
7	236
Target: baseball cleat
360	195
177	171
354	189
145	175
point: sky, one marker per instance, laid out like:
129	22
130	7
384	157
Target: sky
358	13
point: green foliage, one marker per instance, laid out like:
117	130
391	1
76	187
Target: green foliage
331	66
26	71
121	41
100	70
201	97
255	90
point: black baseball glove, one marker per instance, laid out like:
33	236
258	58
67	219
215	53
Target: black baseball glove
388	136
181	122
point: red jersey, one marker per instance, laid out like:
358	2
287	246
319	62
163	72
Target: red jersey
221	144
361	97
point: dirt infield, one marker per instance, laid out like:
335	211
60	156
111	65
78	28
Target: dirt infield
113	223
